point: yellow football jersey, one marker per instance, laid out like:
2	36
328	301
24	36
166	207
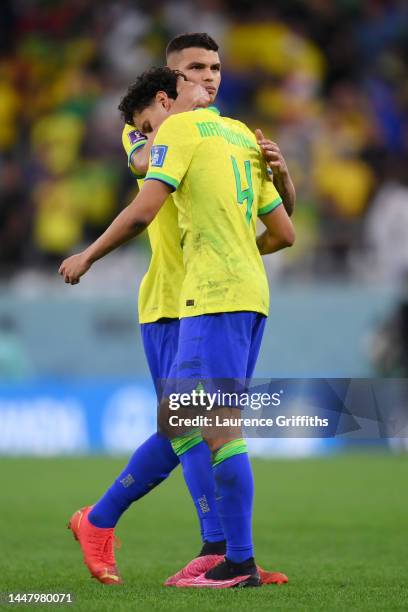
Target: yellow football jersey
159	293
221	185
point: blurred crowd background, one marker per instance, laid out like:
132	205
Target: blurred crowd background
327	80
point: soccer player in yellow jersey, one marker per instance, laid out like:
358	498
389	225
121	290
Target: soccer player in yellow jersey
215	167
196	55
160	288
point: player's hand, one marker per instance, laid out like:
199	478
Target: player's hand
190	96
74	267
272	154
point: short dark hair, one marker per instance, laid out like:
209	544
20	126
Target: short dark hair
142	93
202	40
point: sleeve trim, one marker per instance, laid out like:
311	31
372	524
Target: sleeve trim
269	207
159	176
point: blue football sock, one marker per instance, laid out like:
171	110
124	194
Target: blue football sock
197	470
150	464
234	494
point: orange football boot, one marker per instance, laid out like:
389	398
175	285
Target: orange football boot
97	545
271	577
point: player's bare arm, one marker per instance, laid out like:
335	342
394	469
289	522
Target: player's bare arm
140	158
127	225
279	232
281	176
190	96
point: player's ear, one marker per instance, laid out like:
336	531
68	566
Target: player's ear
163	99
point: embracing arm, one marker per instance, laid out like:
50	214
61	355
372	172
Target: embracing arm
281	176
279	232
141	157
286	189
128	224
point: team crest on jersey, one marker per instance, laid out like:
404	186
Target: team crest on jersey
158	155
135	136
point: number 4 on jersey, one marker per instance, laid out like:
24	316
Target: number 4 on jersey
244	194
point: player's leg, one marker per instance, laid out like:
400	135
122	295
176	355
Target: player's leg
197	473
154	460
226	347
195	458
232	469
162	367
150	464
267	577
230	458
217	347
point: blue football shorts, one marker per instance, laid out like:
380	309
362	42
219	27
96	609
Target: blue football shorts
160	341
218	350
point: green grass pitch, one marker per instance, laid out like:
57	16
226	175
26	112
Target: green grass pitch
336	525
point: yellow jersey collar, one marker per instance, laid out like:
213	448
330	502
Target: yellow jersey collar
213	109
